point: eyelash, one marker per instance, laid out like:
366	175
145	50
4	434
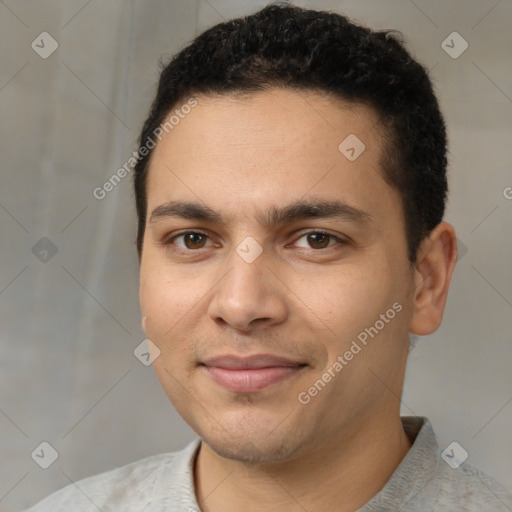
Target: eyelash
169	241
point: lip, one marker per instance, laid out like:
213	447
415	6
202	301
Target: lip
252	373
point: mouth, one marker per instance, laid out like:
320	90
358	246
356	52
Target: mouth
250	374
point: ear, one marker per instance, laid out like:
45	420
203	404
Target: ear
433	271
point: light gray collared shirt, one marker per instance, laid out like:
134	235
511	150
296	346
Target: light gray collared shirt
423	482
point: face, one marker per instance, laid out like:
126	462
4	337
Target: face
280	303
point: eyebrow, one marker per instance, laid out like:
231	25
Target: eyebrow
271	217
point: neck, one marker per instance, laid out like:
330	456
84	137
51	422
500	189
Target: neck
342	473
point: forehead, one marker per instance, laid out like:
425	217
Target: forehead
278	117
271	148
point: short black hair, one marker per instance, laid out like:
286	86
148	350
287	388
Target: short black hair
309	50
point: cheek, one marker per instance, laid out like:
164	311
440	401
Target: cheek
164	300
165	309
348	300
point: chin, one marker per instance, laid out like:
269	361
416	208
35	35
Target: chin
253	442
252	453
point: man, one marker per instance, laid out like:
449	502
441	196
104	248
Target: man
290	191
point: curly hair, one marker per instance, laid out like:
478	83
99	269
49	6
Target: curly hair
304	49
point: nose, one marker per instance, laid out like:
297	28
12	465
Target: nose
249	296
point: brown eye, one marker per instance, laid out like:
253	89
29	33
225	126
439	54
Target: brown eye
318	240
190	240
196	240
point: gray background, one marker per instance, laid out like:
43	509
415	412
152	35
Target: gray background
69	325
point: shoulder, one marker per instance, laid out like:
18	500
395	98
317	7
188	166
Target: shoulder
430	479
128	488
470	489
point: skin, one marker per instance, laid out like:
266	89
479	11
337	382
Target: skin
302	299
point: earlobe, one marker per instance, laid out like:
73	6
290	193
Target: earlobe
433	271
